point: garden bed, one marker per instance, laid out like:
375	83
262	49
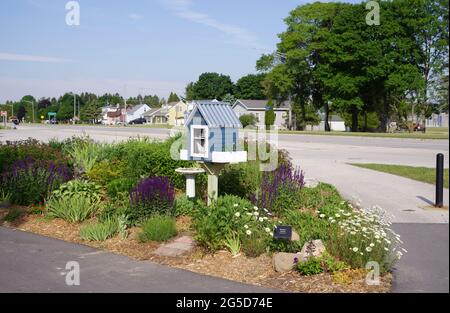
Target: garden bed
256	271
128	199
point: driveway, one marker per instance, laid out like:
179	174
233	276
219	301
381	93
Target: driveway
33	263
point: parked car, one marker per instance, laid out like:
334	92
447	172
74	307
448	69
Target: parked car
140	120
14	120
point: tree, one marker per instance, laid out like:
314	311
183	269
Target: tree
212	86
231	99
269	117
90	112
190	91
250	87
173	98
248	120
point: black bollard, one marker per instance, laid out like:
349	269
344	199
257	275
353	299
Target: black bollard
439	180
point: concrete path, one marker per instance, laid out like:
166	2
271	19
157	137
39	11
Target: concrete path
33	263
425	267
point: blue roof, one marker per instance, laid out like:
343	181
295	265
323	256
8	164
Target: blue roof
216	114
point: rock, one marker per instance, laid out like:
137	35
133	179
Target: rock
284	262
295	236
314	248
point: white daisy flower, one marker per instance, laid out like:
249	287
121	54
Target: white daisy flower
267	229
248	232
322	215
368	249
355	249
246	226
261	219
236	205
237	214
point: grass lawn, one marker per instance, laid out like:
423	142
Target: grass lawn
431	133
423	174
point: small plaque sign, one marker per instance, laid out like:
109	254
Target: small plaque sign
283	232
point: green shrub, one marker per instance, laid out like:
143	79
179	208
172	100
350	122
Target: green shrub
120	185
229	214
309	226
158	228
13	151
145	157
100	231
5	197
106	171
74	208
240	180
255	244
312	266
184	206
117	207
331	265
248	120
316	198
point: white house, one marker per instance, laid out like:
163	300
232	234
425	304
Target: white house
335	121
136	112
283	112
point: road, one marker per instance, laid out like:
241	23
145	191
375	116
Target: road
33	263
327	158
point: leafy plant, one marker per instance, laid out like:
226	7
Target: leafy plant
119	185
248	120
100	231
229	214
76	208
158	228
151	196
5	196
80	188
107	171
312	266
184	206
255	243
240	180
233	244
84	155
30	181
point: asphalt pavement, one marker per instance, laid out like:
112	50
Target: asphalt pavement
37	264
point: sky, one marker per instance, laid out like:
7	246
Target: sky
131	47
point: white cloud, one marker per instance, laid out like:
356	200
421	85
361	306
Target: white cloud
135	17
30	58
14	88
239	35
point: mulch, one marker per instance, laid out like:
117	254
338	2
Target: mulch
256	271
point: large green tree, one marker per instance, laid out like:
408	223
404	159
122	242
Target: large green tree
250	87
211	86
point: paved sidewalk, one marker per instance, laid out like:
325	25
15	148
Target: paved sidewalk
425	267
33	263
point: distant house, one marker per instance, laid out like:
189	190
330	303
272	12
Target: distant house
171	114
335	121
136	112
283	112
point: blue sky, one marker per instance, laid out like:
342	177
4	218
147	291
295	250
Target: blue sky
131	47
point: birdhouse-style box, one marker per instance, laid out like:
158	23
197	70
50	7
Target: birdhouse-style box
213	134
